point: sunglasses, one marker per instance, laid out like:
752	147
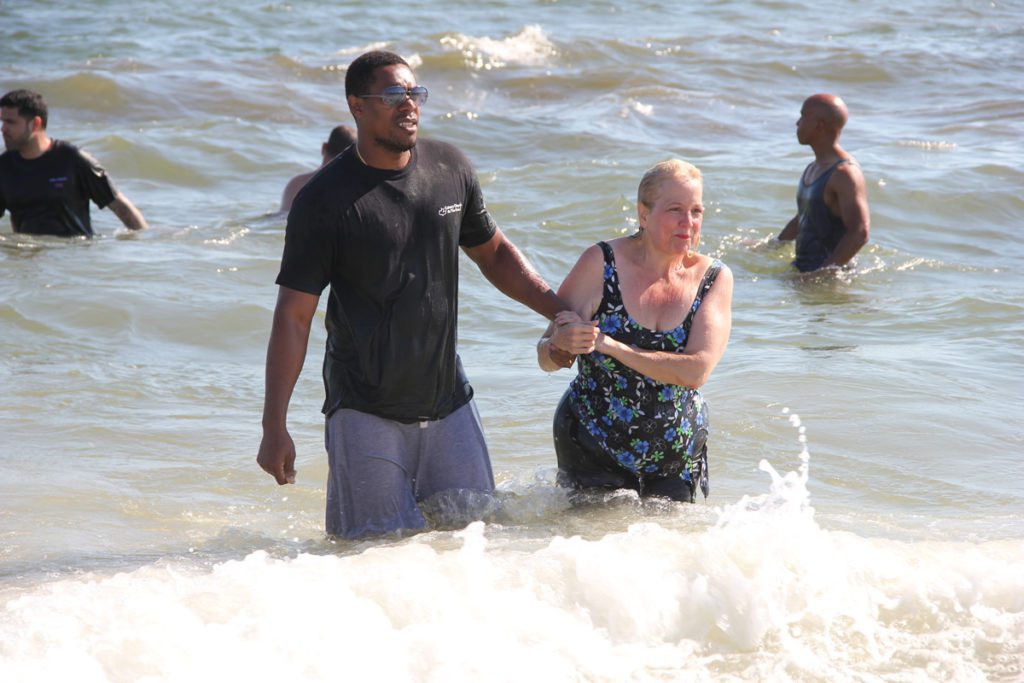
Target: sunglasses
395	95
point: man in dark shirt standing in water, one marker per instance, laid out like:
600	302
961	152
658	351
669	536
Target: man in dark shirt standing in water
832	222
46	184
382	224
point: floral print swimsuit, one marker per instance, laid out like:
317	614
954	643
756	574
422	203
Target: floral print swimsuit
651	429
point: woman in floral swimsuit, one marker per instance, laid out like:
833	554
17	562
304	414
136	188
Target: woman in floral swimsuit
651	321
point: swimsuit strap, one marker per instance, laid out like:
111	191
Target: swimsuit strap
609	254
710	275
611	295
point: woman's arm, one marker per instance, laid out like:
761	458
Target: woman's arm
709	334
574	332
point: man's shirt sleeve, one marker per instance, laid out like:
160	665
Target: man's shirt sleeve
477	225
308	247
93	179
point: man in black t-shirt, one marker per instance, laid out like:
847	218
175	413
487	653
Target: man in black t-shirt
383	224
47	184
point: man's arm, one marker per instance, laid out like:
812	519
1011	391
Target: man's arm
790	231
286	353
573	332
507	269
850	197
3	209
126	211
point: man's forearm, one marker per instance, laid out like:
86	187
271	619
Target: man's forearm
789	232
514	276
127	213
286	354
850	244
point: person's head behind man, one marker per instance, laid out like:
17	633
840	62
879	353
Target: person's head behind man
24	114
340	139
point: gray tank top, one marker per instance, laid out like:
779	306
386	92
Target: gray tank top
820	229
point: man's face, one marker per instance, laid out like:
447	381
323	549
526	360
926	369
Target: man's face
807	124
393	128
17	131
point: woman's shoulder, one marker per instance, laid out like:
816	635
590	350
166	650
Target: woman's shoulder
624	249
717	275
621	243
599	253
592	256
707	264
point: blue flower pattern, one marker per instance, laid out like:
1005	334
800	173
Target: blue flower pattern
645	426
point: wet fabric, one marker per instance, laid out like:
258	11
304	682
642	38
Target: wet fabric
387	243
50	195
820	229
583	465
383	474
647	428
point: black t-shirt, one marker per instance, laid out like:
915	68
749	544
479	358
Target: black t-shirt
388	244
50	195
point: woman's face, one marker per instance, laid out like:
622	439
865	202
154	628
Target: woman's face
673	222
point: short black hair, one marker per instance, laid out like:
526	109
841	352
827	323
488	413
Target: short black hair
360	71
29	104
341	138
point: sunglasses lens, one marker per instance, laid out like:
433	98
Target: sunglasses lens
395	95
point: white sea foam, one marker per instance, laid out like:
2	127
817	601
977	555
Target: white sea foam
763	593
930	145
529	47
632	106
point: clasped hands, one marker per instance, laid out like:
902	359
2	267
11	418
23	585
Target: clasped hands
575	335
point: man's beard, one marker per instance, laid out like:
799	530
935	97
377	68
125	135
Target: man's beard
15	144
392	146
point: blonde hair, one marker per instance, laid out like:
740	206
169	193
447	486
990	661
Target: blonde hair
647	193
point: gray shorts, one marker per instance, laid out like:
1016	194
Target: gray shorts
383	474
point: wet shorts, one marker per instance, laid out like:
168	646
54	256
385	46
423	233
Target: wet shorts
381	471
582	464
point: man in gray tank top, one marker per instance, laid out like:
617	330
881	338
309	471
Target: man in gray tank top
832	222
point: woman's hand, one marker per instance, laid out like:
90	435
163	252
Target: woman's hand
573	334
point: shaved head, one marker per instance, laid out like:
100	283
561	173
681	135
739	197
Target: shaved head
829	108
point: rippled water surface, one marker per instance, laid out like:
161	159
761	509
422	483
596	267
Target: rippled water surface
135	525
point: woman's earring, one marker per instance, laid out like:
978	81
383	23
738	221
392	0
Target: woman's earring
693	252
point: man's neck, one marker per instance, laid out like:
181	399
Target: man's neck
37	146
376	157
828	154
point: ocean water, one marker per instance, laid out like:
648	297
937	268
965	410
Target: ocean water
867	482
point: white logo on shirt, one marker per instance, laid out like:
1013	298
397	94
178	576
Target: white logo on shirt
451	208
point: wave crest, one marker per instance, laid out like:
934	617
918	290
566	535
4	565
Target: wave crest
529	47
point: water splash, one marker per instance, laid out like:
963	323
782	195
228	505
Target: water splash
763	593
529	47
